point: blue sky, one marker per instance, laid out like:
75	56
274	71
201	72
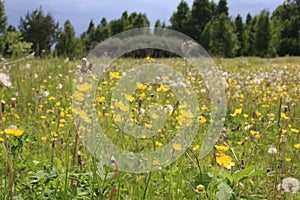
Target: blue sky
80	12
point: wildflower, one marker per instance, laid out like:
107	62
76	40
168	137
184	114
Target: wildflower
293	130
252	132
237	112
221	148
200	188
129	98
197	147
85	88
290	185
4	80
59	86
297	146
78	96
224	161
177	147
248	127
169	108
100	99
158	144
43	117
115	75
272	150
162	88
12	130
283	116
142	96
154	163
202	119
54	134
140	86
1	140
43	138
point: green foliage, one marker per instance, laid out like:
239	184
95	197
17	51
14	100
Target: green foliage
3	18
223	40
262	34
180	20
39	29
15	44
239	31
66	43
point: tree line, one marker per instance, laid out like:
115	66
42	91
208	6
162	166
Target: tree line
264	35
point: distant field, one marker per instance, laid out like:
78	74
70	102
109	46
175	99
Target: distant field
42	155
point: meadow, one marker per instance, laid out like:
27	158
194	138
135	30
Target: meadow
42	155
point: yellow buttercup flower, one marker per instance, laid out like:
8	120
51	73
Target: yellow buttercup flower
85	88
297	146
221	148
202	119
115	75
158	144
141	87
237	112
225	161
162	88
100	99
177	147
200	188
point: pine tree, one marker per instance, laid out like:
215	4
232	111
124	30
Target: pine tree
180	20
239	31
66	43
201	14
222	8
262	34
223	39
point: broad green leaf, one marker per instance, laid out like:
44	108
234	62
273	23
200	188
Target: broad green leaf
224	191
243	173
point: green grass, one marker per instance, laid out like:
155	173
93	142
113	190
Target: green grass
49	160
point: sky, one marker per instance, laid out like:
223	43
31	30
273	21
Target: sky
80	12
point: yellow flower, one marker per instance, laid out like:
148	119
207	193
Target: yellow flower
202	119
162	89
84	116
237	112
252	132
100	99
293	130
54	134
158	144
129	98
154	163
85	88
283	116
78	96
43	138
221	148
257	136
288	159
121	106
177	147
43	117
283	131
150	59
197	147
141	87
224	161
187	114
200	188
1	140
297	146
61	114
58	104
115	75
246	116
142	96
14	131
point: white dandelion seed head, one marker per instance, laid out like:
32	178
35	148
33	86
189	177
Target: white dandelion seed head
169	108
59	86
290	185
4	80
27	66
46	93
247	128
272	150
